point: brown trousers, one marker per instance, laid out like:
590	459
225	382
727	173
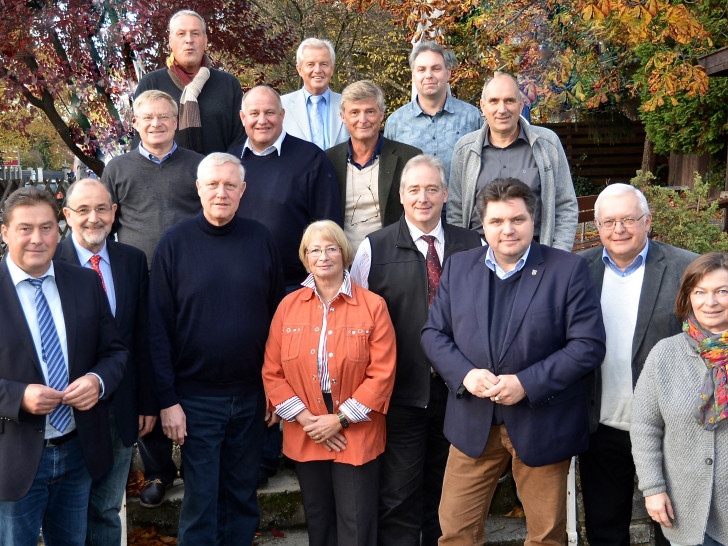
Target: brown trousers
469	485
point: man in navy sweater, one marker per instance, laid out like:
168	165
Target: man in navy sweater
291	182
215	283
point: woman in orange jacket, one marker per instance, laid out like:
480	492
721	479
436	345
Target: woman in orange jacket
328	374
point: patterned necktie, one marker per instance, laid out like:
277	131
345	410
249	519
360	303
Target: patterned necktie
95	259
434	270
52	354
317	122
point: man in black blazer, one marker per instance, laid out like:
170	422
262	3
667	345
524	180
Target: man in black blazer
61	359
133	410
638	280
394	262
368	166
513	330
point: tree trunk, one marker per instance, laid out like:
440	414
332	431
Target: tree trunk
649	160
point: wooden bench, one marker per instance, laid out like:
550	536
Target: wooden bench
586	214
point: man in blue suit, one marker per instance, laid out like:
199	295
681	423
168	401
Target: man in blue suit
123	270
61	359
513	329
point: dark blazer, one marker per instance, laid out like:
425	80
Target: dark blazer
554	337
398	273
656	318
392	160
135	394
93	346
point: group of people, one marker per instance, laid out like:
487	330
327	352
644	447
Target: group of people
258	259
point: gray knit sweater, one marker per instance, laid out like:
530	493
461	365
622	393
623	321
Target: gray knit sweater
151	197
672	452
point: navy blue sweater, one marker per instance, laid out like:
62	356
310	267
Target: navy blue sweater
213	292
286	193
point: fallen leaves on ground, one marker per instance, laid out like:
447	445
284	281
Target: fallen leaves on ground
149	537
516	512
134	483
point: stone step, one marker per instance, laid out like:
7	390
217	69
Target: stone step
279	502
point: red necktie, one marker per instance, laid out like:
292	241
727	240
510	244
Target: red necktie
95	259
434	270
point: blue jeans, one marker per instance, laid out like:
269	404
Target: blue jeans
221	455
57	500
107	495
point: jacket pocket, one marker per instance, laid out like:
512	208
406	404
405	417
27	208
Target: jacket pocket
291	341
357	342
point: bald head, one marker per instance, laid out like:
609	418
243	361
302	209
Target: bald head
262	115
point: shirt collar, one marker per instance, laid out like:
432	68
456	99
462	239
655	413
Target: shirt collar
375	156
84	254
447	107
491	263
151	157
638	262
275	147
17	275
417	233
326	95
521	135
345	288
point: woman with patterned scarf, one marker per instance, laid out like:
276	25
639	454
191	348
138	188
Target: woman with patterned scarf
679	428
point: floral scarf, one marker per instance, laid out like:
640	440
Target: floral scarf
712	406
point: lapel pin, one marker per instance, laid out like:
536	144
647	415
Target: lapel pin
533	272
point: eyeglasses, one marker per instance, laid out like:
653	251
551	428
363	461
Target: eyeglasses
85	211
626	222
356	205
161	117
330	251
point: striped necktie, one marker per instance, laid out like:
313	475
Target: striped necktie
317	122
52	354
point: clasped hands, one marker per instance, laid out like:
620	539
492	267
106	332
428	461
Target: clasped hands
82	394
323	429
502	389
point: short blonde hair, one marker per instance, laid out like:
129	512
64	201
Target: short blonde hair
153	95
331	231
361	91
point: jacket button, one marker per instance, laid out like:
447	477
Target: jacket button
709	461
333	380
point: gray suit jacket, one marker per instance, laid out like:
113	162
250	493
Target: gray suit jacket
656	318
295	121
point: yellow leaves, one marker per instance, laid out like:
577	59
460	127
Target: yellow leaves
592	12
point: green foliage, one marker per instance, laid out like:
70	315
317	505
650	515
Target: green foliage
686	219
693	125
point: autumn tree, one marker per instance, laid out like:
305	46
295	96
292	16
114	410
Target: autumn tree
77	61
367	44
636	56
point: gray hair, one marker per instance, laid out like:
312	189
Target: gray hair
85	182
499	74
189	12
153	95
430	45
216	159
428	160
262	87
618	189
361	91
315	43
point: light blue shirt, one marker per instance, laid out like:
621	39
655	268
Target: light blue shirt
151	157
26	295
324	109
84	258
638	262
435	135
498	270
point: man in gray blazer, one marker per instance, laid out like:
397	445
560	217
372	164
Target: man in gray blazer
638	280
312	112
